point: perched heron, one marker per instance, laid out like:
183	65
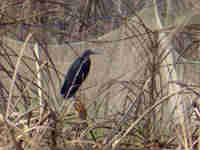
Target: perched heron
76	74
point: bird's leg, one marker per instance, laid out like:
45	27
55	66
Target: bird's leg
80	108
82	114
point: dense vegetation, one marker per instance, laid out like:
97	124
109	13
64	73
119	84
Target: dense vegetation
34	116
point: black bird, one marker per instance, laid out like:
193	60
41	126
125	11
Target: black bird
76	74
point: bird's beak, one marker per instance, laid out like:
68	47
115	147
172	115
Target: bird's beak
96	53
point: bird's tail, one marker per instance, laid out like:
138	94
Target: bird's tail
63	91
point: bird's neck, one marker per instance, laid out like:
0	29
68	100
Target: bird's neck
85	57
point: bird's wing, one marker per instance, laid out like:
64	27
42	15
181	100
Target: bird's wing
80	75
74	67
85	68
77	73
69	77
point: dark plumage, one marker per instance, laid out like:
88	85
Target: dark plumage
76	74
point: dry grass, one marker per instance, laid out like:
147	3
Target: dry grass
140	123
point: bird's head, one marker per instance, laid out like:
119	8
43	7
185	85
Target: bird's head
89	52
